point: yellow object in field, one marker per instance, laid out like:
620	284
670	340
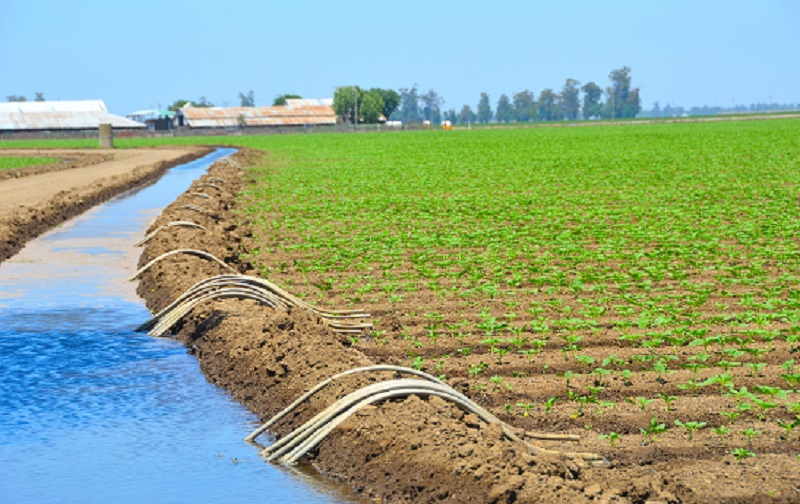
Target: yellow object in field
447	125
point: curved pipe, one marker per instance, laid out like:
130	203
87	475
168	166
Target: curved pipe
242	286
198	253
214	186
321	385
194	207
150	236
306	437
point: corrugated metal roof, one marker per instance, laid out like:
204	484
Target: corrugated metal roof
207	117
308	102
53	115
54	106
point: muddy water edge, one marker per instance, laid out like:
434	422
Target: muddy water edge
91	411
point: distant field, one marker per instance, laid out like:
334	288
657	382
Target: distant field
10	163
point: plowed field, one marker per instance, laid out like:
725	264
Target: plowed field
637	286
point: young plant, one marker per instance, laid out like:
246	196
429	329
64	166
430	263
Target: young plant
721	431
611	436
741	454
788	427
668	399
548	404
643	403
527	407
750	433
690	427
653	430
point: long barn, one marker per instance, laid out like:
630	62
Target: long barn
296	112
59	116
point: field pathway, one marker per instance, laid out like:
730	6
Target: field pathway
34	190
33	202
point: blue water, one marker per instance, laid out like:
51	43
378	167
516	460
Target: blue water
91	411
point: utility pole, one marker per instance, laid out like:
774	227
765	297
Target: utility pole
613	105
355	101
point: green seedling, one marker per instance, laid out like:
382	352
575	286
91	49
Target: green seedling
788	427
548	404
741	453
721	431
653	430
750	433
643	403
690	427
611	436
668	399
526	407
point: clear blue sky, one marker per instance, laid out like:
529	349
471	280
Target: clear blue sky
147	52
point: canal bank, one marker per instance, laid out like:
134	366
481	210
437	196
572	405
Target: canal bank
91	411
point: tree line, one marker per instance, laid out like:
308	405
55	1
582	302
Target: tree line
590	101
410	105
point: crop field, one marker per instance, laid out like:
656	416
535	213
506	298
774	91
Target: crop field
635	285
11	163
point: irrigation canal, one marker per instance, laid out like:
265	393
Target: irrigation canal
91	411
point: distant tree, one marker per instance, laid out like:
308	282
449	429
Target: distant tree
391	100
179	104
247	100
450	115
280	100
656	112
371	108
548	109
431	106
345	101
633	105
504	112
409	111
621	101
569	99
39	97
202	102
466	115
484	109
16	98
592	105
524	106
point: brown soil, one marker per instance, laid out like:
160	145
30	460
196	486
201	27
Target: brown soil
45	196
426	450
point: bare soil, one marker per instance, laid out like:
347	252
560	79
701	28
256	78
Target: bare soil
419	450
43	197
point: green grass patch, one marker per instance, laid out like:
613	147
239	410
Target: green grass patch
12	163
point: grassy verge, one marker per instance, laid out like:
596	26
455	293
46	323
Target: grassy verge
11	163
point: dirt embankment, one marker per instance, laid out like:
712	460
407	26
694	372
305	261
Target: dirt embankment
412	450
38	201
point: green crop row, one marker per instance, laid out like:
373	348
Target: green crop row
10	163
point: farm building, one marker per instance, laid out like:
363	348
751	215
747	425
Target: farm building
155	120
60	115
299	112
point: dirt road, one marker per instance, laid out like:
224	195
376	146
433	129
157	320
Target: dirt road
33	203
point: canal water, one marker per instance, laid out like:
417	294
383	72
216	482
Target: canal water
91	411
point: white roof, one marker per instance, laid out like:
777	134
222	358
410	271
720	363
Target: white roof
45	115
308	102
54	106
